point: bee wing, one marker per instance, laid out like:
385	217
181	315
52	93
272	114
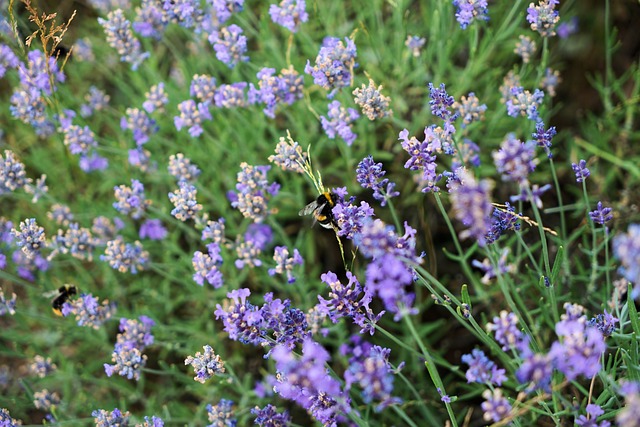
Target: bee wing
51	294
309	208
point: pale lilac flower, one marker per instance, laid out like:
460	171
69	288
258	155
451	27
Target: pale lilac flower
334	64
525	48
230	45
121	38
495	407
155	99
471	203
339	122
468	11
185	202
415	44
289	13
115	418
192	116
205	365
285	263
125	257
521	102
289	155
543	17
373	103
581	170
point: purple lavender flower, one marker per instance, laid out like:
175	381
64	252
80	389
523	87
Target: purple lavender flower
192	116
140	124
181	168
131	200
470	10
140	158
156	98
629	415
38	74
289	13
351	218
270	417
225	8
531	195
82	50
550	81
153	229
543	137
12	173
580	170
482	370
525	48
422	157
151	20
345	300
120	37
39	189
334	64
79	140
136	333
593	411
506	330
231	96
284	263
185	202
205	365
8	59
543	17
26	267
536	370
242	320
369	175
45	400
339	122
565	29
30	238
495	407
127	362
88	312
41	366
471	203
274	90
214	230
515	159
7	306
93	162
96	100
605	323
206	266
521	102
187	13
469	109
203	88
415	44
490	271
373	103
230	45
77	241
253	192
114	418
153	422
289	155
601	215
125	257
441	103
221	415
626	248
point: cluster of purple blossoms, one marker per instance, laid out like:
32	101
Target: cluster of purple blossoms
125	257
442	104
88	311
589	420
496	407
153	422
373	103
270	417
334	64
81	141
601	214
581	170
45	400
248	249
289	13
203	88
422	157
12	173
41	367
369	175
515	159
82	50
503	220
155	99
543	137
75	240
7	421
567	28
273	90
225	8
139	122
550	81
543	17
8	59
482	369
134	337
470	109
626	248
214	230
506	331
531	194
491	271
7	306
230	45
350	218
120	37
253	192
510	81
285	263
525	48
191	116
415	44
205	365
206	266
131	200
305	380
604	322
471	204
181	168
521	102
152	229
104	418
96	100
151	19
26	267
30	238
39	189
104	229
185	202
221	415
629	415
289	155
339	122
470	10
186	13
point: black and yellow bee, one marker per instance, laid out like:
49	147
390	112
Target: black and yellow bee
64	293
321	209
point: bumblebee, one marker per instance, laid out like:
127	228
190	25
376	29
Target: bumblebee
321	208
64	293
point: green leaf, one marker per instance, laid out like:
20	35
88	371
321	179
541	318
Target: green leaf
556	265
465	296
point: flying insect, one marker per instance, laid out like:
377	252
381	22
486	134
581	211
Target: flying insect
322	210
64	293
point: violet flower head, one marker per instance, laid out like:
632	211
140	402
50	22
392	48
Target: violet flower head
471	203
491	271
30	238
151	20
289	155
593	411
506	331
482	370
415	44
225	8
536	370
525	47
285	263
39	189
423	158
270	417
192	116
334	64
214	230
351	218
567	28
44	400
79	140
185	202
601	215
339	122
115	418
153	229
77	241
187	13
580	170
373	103
41	366
60	214
120	37
543	137
468	11
345	300
441	103
230	45
12	173
205	365
151	422
521	102
206	266
470	109
136	332
6	420
242	320
127	362
155	99
8	59
515	159
550	81
83	51
495	407
88	312
203	88
7	305
181	168
605	323
125	257
96	100
626	248
231	96
274	90
253	192
131	200
38	74
543	17
221	415
289	13
370	175
138	122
